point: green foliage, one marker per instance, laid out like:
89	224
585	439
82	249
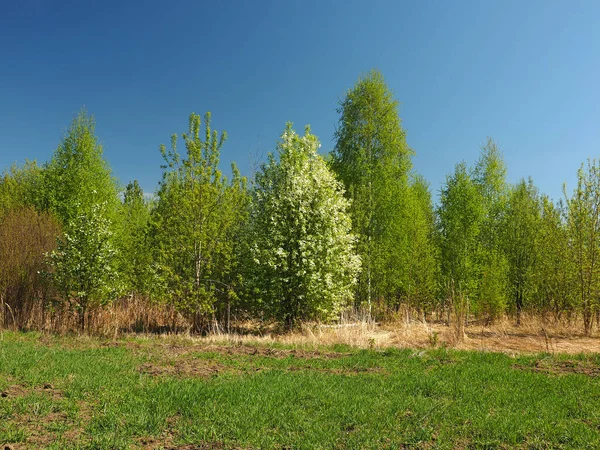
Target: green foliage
460	219
584	234
80	190
210	247
84	264
78	177
522	242
20	187
489	175
372	159
554	276
305	266
136	262
492	295
423	253
197	213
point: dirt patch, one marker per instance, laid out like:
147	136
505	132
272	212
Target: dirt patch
18	390
184	368
207	369
36	427
201	446
563	367
340	370
246	350
217	445
167	444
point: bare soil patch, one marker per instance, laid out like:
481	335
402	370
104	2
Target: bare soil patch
247	350
184	368
179	361
340	370
18	390
205	446
567	367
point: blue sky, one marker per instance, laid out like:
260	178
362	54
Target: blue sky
524	72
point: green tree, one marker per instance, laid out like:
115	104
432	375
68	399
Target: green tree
84	262
20	186
79	189
584	233
373	161
489	175
460	219
136	262
78	177
305	265
423	253
554	275
522	241
193	222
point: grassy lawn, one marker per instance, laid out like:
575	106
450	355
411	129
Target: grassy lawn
167	393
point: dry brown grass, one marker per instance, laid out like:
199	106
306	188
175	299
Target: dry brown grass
407	330
532	336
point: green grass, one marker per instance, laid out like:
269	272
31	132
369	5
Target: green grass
85	393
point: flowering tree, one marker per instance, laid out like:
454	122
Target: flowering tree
305	265
84	262
77	186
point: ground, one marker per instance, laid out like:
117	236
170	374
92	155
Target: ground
183	393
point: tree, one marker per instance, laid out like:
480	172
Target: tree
81	191
423	253
195	215
554	275
136	262
584	233
78	177
85	261
305	265
20	187
372	160
460	220
489	175
521	241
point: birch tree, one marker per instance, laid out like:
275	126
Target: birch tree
584	233
460	220
489	175
521	242
373	161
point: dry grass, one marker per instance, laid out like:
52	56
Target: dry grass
532	336
407	330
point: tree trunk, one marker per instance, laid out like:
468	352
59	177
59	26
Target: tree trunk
519	305
228	315
587	318
82	313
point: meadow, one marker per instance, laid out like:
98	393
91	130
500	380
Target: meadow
151	392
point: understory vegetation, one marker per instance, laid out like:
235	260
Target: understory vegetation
308	238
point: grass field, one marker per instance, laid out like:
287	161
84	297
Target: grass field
61	392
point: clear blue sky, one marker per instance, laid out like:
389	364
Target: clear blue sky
526	73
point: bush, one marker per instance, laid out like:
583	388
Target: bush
25	237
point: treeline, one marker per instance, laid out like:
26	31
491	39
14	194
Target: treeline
308	237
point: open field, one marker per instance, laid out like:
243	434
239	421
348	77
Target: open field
184	393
